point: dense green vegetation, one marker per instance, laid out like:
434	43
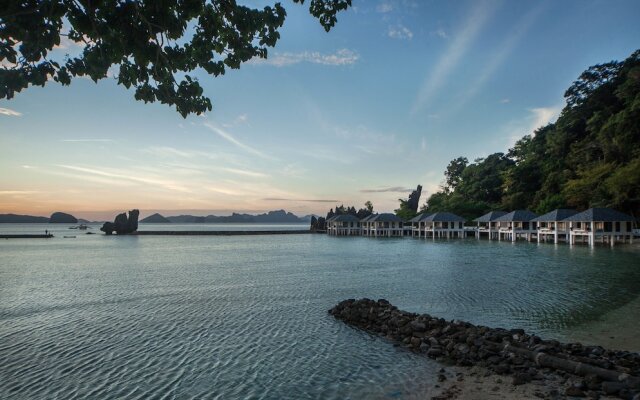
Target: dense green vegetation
590	157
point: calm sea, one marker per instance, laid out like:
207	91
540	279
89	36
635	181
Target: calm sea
246	317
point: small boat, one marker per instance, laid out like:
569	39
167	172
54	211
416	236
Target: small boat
69	237
81	227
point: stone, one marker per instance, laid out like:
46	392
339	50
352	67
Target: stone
574	391
122	224
612	387
520	379
418	326
434	352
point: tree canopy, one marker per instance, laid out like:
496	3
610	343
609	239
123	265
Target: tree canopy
590	157
156	44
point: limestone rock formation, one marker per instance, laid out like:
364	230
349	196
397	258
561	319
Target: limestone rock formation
122	225
62	218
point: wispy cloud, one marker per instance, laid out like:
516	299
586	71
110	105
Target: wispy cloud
456	51
17	192
9	112
392	189
538	117
239	120
542	116
303	200
87	140
228	137
127	176
339	58
505	101
441	33
384	7
399	32
504	50
245	172
167	151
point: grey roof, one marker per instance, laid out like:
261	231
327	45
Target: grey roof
490	216
384	217
517	215
444	217
419	217
555	215
344	218
600	215
367	218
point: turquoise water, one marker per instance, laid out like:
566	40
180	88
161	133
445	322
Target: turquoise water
245	317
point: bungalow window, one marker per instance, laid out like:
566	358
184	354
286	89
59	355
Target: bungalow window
618	226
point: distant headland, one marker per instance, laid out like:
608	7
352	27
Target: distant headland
278	216
55	218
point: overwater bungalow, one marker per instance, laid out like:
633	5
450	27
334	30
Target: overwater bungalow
603	224
385	224
443	224
552	225
417	224
344	225
487	224
516	224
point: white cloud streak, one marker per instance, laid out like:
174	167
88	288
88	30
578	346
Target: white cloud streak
341	57
127	176
228	137
244	172
504	50
17	192
87	140
9	112
456	51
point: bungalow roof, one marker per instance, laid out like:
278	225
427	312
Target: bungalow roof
444	217
600	215
490	216
555	215
517	216
384	217
344	218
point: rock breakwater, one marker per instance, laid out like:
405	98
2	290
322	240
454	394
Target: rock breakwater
511	352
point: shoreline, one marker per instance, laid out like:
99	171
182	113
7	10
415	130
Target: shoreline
489	362
617	329
219	233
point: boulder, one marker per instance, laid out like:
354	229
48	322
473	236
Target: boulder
122	224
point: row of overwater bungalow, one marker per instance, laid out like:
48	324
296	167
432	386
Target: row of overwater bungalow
594	225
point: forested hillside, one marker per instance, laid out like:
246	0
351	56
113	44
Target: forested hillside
589	157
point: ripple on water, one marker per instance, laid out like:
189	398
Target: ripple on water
216	317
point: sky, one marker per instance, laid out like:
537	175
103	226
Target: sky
368	111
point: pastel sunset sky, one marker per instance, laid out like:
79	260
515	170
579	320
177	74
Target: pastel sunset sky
366	112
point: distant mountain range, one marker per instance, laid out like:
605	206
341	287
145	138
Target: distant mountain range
56	217
279	216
